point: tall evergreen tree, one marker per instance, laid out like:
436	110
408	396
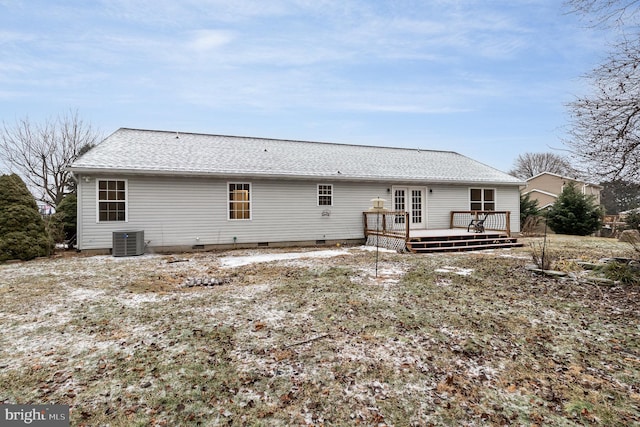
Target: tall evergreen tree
574	213
22	230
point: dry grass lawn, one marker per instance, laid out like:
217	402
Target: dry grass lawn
444	339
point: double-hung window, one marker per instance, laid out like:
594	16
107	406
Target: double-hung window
239	200
325	195
482	199
112	200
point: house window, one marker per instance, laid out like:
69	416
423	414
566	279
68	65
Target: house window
483	199
239	201
325	195
416	206
112	200
399	205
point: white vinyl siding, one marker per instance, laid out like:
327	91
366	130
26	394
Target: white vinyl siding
509	200
442	199
182	211
187	211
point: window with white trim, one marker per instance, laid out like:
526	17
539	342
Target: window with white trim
482	199
399	204
112	200
325	195
416	206
239	200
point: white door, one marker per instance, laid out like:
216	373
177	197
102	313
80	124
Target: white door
411	200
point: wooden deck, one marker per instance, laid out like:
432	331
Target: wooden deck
454	240
390	228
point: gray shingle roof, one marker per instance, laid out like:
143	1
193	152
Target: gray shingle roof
161	152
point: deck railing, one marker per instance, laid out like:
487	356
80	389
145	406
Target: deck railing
493	220
395	224
386	224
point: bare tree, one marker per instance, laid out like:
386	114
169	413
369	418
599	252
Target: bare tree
605	124
606	12
604	133
532	164
41	152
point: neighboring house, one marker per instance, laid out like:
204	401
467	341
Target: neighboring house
546	187
189	190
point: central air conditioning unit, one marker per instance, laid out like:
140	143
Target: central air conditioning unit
128	243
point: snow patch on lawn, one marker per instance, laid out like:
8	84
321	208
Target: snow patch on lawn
137	300
456	270
514	256
248	292
239	261
83	294
373	248
385	276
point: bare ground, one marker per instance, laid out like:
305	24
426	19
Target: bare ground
317	339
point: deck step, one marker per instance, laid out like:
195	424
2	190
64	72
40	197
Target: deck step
464	248
456	245
464	237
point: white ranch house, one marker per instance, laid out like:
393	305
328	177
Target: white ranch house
194	191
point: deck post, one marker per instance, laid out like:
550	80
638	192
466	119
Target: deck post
508	224
366	226
406	223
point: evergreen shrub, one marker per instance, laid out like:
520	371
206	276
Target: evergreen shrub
22	230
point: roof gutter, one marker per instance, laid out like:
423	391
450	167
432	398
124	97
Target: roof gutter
266	175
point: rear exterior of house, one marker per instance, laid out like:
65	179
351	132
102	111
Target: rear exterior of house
192	191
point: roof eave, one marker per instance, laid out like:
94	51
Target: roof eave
266	175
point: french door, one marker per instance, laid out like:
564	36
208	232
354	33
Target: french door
411	200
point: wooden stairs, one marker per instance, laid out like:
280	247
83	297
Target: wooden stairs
462	242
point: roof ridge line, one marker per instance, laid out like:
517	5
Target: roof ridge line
290	140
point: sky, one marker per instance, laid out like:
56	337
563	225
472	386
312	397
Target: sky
489	79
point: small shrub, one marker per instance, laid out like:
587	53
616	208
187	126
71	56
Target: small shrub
567	265
62	225
531	225
623	272
543	257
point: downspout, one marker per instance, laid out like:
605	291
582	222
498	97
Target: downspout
78	210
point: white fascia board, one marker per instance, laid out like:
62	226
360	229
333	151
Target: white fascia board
267	175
